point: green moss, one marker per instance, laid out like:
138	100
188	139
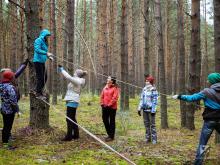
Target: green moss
175	145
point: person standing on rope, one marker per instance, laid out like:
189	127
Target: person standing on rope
148	103
109	100
9	106
41	55
211	114
72	99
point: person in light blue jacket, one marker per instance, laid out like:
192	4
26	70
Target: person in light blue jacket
41	55
148	103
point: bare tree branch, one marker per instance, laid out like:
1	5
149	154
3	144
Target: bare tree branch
16	4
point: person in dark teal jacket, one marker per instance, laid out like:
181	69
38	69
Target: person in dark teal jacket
211	114
41	55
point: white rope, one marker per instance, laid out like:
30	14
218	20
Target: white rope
92	135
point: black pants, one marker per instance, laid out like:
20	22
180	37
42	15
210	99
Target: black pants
8	120
108	117
150	126
72	129
41	76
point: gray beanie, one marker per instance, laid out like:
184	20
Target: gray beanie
80	73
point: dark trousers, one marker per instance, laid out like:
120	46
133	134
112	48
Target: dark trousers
72	129
8	120
41	76
207	129
108	117
150	126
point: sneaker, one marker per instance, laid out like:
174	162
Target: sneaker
8	147
108	139
12	138
75	137
154	142
67	138
147	141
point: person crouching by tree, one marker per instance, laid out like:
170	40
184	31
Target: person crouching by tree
109	100
72	98
41	55
211	114
148	103
9	106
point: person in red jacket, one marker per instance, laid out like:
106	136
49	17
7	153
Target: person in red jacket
109	100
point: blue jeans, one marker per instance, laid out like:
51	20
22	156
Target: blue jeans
207	129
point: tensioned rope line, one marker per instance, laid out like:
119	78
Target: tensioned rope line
169	96
92	135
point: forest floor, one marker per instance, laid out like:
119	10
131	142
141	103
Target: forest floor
175	145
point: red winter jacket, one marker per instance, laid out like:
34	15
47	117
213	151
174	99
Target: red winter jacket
109	96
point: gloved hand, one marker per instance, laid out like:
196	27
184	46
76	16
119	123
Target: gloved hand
60	68
139	112
176	96
19	114
50	56
26	61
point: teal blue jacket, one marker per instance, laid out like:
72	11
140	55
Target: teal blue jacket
41	47
210	96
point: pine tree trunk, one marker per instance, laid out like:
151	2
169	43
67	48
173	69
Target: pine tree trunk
39	111
146	37
216	4
130	50
124	58
13	54
161	63
168	43
103	39
65	49
181	64
21	80
54	100
134	46
195	61
70	29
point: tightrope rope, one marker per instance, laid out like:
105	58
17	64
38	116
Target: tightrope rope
92	135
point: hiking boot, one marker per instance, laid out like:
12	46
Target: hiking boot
108	139
67	138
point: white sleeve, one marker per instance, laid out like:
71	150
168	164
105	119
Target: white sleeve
74	80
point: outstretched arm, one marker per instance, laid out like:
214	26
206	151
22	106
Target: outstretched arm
191	98
73	80
20	70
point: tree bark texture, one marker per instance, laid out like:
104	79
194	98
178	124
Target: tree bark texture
194	61
124	58
39	111
161	64
181	56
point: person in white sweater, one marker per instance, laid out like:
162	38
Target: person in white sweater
72	97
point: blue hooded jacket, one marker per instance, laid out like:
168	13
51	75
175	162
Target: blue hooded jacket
41	47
